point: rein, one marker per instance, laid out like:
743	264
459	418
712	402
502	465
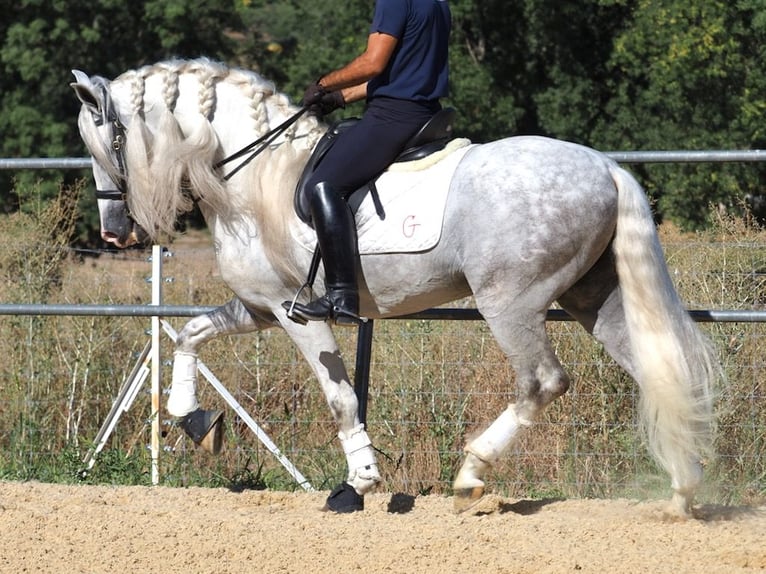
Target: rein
118	147
261	144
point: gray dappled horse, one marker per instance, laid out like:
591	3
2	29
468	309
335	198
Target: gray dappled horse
518	223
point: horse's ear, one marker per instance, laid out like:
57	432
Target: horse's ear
86	91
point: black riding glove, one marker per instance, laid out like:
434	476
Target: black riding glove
313	94
320	101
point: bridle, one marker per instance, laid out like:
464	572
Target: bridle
109	116
117	147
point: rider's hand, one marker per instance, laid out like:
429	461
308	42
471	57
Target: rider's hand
313	94
320	101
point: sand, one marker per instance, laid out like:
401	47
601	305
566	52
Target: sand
93	529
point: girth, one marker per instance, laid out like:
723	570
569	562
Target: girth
432	137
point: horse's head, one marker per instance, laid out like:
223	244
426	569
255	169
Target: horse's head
104	134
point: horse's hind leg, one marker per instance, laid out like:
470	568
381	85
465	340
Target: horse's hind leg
540	379
202	426
596	303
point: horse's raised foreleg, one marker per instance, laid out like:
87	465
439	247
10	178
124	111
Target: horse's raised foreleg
204	427
540	380
318	345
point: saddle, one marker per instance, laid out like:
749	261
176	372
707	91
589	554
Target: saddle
432	137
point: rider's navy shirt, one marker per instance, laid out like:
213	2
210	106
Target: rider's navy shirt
418	69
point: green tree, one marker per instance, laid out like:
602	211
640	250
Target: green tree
45	40
613	74
293	42
569	45
678	77
487	69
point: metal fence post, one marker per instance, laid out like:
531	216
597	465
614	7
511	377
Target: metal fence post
156	359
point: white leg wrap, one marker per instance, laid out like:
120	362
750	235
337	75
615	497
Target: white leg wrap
360	457
492	442
183	391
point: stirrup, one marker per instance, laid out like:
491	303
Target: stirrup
337	315
289	306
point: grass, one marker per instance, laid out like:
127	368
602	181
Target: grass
433	383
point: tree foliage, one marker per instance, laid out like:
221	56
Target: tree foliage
44	41
612	74
678	80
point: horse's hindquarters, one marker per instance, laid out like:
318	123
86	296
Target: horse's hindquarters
527	217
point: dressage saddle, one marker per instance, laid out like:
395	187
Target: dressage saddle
432	137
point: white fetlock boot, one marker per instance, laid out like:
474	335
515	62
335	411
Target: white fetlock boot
482	453
183	390
363	473
205	428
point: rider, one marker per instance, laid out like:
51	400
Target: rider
402	74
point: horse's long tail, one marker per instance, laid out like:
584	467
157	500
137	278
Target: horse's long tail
675	364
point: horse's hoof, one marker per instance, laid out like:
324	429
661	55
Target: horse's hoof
205	428
344	499
466	498
679	508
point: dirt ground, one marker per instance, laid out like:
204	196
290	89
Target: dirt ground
126	530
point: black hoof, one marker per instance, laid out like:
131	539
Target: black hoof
344	499
205	428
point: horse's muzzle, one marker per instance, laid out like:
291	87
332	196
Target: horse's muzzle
122	243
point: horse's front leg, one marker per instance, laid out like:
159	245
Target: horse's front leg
204	427
318	345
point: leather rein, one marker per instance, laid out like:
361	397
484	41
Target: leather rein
260	144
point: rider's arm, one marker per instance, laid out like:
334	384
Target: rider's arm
367	65
354	93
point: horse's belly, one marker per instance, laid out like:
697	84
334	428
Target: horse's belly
401	284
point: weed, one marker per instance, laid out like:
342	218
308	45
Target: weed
433	384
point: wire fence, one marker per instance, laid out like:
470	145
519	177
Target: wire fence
433	384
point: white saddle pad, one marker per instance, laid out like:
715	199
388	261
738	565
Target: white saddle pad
413	195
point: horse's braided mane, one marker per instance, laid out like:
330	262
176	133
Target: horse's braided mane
169	169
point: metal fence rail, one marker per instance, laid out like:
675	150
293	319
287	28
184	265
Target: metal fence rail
446	314
46	163
659	156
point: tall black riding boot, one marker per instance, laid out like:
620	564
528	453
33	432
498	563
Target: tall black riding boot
336	234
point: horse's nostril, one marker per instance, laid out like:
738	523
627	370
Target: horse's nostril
110	237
